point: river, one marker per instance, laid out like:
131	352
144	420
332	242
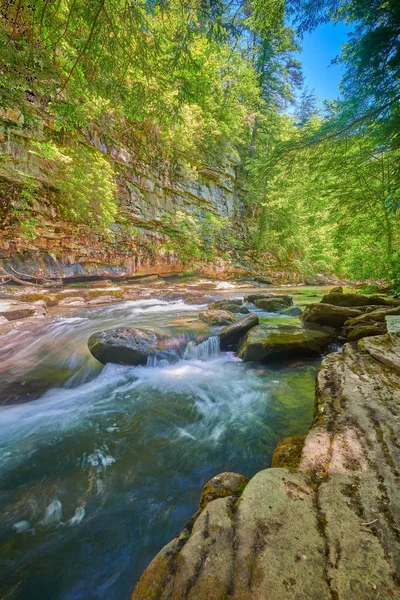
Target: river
105	465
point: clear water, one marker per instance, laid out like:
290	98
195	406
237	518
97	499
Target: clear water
105	465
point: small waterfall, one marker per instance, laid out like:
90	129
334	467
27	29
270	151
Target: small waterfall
53	514
203	351
154	361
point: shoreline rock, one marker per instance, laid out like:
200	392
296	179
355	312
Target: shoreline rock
331	529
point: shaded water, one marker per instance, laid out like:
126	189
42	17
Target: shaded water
101	470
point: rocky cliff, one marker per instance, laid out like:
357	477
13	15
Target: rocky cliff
325	527
151	191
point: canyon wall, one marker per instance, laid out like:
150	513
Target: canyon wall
150	193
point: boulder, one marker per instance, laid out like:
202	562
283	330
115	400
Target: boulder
337	290
222	303
233	308
328	530
264	342
357	333
72	301
220	486
129	345
378	315
284	298
231	335
107	299
217	317
12	310
339	299
272	304
328	314
288	452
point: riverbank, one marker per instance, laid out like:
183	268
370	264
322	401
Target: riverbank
325	522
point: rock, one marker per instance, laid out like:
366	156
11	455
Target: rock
222	303
385	349
377	315
392	324
265	342
12	310
340	299
217	317
284	298
288	452
356	333
231	335
261	279
196	299
128	345
328	314
220	486
103	300
329	530
337	290
265	545
233	308
271	304
292	311
72	301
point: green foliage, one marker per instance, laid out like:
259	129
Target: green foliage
84	181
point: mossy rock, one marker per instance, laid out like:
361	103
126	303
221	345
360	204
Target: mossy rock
231	335
220	486
328	314
233	308
365	331
263	342
217	317
272	304
340	299
129	345
288	452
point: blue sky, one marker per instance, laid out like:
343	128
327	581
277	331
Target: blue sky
319	48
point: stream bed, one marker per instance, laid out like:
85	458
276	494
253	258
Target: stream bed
105	465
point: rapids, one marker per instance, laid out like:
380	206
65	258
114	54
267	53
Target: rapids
103	466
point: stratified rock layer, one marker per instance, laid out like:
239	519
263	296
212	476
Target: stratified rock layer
330	530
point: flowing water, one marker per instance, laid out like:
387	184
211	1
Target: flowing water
105	465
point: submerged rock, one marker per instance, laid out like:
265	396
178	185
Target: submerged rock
328	314
231	335
220	486
128	345
217	317
265	342
292	311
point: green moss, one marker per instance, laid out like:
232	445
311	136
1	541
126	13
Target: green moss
288	452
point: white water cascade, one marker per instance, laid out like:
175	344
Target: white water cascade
203	351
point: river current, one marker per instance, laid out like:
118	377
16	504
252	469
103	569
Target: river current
103	466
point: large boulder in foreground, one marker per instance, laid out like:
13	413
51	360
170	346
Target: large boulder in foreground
217	317
129	345
329	530
328	314
231	335
263	342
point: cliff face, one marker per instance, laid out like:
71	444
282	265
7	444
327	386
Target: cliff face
150	193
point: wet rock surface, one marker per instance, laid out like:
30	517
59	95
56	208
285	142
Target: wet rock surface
265	342
231	335
217	317
128	345
329	530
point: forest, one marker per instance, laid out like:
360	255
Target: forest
200	80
